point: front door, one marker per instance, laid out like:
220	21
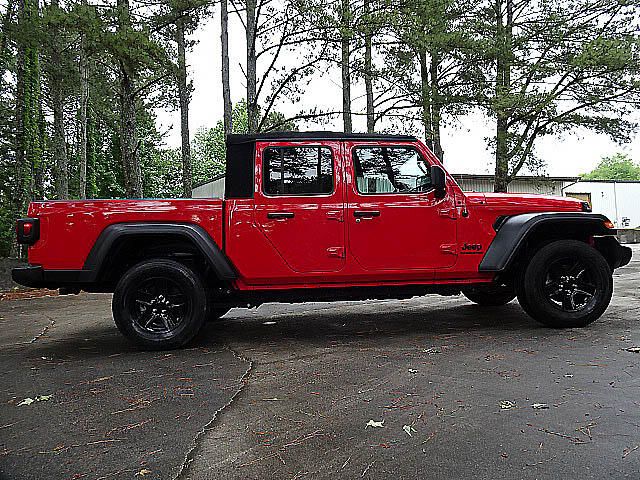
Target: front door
394	220
299	204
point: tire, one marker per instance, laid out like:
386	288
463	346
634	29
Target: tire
160	304
490	295
567	284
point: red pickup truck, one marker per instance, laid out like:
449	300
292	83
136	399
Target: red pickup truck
311	216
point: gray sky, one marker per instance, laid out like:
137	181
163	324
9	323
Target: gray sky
464	144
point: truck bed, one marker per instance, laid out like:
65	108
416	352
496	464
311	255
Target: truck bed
70	228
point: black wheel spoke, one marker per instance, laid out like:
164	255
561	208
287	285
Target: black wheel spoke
158	306
568	284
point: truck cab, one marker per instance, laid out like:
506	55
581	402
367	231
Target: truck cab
323	216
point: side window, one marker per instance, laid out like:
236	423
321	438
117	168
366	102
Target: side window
390	170
297	170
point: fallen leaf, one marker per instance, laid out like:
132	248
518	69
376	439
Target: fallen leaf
143	472
373	423
506	405
432	350
540	406
39	398
408	429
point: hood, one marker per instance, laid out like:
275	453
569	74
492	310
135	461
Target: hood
528	201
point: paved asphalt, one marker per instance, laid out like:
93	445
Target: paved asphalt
286	392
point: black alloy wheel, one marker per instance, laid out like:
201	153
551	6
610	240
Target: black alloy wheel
160	304
570	285
567	283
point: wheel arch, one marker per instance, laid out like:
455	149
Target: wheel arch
123	244
523	234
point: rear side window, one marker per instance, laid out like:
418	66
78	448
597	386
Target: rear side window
390	170
297	170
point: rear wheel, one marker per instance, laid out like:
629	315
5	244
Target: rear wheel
160	304
566	284
490	295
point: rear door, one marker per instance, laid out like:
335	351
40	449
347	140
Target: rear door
299	203
394	220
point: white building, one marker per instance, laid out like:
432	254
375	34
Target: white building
212	189
521	184
619	200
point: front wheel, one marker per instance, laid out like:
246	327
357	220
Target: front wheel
160	304
566	284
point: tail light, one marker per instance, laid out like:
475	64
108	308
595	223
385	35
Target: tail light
28	231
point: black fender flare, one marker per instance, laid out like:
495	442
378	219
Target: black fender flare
514	231
193	233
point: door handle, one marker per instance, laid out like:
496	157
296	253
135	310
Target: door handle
366	213
276	215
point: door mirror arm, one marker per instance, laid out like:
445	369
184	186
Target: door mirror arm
439	181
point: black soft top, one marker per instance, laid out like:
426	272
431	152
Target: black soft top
302	136
239	175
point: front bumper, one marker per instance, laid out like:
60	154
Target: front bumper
625	256
617	255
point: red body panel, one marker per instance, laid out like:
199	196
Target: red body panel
68	230
415	239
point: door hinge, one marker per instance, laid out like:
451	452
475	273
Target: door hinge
337	252
449	212
335	215
448	248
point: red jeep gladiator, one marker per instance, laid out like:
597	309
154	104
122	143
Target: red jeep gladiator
311	216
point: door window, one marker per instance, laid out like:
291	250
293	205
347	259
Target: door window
390	170
297	170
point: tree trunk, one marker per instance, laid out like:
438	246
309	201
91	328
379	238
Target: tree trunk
57	100
128	138
6	25
436	107
59	141
425	97
346	67
183	93
28	112
82	117
368	72
503	88
226	88
252	101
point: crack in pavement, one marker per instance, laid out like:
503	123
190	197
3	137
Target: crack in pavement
244	379
44	330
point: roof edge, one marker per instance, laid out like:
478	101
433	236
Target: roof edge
315	135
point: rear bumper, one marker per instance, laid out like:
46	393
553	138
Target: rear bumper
28	276
35	276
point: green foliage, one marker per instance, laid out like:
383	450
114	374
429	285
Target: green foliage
615	167
208	147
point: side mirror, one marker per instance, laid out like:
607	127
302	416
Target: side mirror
439	181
